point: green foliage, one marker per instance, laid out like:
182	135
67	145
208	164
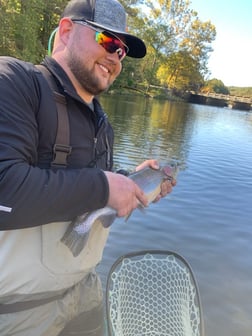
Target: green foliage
178	42
241	91
180	71
216	86
26	27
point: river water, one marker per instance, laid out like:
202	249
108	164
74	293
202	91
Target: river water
208	216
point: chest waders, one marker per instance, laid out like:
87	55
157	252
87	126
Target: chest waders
61	150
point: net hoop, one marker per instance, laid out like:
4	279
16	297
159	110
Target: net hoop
153	293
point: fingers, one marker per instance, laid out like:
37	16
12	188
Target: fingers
166	188
135	198
140	196
124	194
173	182
148	163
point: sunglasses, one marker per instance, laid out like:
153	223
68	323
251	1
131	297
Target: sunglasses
110	42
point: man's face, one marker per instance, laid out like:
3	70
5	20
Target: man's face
93	67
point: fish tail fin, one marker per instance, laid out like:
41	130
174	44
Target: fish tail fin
74	240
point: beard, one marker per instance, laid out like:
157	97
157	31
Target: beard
85	76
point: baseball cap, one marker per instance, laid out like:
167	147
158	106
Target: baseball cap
108	15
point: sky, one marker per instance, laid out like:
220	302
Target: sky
231	60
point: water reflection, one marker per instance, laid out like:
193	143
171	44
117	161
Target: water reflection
208	216
152	128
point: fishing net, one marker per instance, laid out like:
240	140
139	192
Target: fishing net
153	293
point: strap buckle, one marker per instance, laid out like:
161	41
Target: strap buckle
60	155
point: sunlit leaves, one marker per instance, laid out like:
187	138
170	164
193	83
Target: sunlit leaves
180	71
178	42
215	85
172	28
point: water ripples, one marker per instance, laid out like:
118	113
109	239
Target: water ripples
208	216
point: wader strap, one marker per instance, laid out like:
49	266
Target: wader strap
8	308
62	146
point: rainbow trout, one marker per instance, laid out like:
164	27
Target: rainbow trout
148	179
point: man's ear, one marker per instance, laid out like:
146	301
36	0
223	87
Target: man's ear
65	29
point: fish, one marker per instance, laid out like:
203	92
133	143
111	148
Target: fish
148	179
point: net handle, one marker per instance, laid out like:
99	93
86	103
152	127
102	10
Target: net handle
152	252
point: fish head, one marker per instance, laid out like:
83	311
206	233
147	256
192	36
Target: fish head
170	170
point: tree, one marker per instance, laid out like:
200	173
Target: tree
180	71
178	43
27	25
175	36
215	85
197	42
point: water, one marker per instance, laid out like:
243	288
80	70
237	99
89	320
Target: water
208	216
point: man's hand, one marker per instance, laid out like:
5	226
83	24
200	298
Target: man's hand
124	194
166	186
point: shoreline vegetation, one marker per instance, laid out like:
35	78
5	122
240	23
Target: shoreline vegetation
153	91
242	98
178	45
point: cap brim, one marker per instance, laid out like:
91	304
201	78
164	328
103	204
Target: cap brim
137	48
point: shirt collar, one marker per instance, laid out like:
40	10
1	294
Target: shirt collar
65	84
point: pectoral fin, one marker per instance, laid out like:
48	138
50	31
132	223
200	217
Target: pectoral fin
107	219
140	207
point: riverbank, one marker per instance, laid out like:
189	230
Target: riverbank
210	99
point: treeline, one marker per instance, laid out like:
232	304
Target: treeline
26	26
178	42
241	91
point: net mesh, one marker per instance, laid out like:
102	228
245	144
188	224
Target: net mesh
153	294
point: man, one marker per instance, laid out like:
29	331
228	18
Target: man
44	290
